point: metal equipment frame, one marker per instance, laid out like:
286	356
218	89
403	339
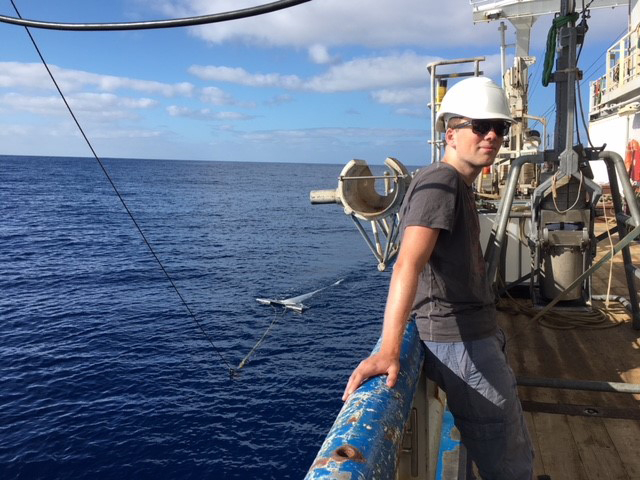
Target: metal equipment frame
570	160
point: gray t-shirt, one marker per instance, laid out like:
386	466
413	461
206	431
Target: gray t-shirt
454	301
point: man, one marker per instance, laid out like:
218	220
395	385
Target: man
440	277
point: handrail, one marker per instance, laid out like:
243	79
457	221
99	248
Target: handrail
622	67
365	438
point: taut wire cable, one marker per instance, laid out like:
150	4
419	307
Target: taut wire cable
245	360
124	204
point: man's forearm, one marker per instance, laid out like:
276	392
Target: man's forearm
402	292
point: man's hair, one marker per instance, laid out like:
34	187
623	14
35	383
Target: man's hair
453	121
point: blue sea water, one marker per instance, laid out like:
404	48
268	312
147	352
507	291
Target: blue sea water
105	374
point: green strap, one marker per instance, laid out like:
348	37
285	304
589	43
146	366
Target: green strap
550	54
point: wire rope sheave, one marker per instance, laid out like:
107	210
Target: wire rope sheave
358	195
357	192
155	24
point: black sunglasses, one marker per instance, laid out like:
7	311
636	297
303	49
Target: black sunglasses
482	127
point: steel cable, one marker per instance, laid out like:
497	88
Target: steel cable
154	24
124	204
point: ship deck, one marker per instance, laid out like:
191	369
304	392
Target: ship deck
581	435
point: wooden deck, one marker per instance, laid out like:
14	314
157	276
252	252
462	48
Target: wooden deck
581	435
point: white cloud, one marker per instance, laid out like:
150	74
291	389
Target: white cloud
315	134
101	101
338	22
12	131
360	74
279	100
98	105
126	133
242	77
233	116
34	76
373	72
51	105
25	75
215	96
320	54
387	73
398	96
205	114
176	111
425	23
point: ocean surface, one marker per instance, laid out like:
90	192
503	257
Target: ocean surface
104	374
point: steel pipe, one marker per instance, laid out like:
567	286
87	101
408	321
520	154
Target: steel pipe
588	385
502	217
616	168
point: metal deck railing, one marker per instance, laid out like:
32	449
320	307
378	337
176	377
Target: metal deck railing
622	68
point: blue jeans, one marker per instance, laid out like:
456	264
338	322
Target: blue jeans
483	398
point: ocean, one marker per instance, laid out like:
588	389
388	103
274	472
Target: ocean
105	374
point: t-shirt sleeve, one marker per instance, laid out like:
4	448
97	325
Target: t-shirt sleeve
432	201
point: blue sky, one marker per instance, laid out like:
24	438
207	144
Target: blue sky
326	81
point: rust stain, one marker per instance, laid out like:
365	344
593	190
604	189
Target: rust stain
320	463
450	463
391	434
348	452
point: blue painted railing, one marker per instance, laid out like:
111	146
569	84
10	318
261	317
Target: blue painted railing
365	438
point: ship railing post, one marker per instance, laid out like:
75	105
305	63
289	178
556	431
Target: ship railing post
498	233
615	169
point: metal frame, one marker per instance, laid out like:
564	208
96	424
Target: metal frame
568	162
434	105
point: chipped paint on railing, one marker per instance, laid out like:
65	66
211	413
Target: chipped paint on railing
365	438
450	464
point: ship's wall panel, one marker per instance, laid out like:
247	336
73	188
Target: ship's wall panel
634	7
612	131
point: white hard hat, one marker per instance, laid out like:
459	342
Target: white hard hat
474	98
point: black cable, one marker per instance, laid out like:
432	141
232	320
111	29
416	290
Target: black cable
585	79
584	122
578	98
124	204
245	360
172	23
575	116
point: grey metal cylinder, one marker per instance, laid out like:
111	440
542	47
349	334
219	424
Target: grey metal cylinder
319	197
560	267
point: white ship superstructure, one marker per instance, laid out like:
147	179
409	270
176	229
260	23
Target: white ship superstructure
614	107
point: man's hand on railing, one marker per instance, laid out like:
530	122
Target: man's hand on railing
377	364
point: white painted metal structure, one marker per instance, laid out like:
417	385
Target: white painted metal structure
614	105
522	14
